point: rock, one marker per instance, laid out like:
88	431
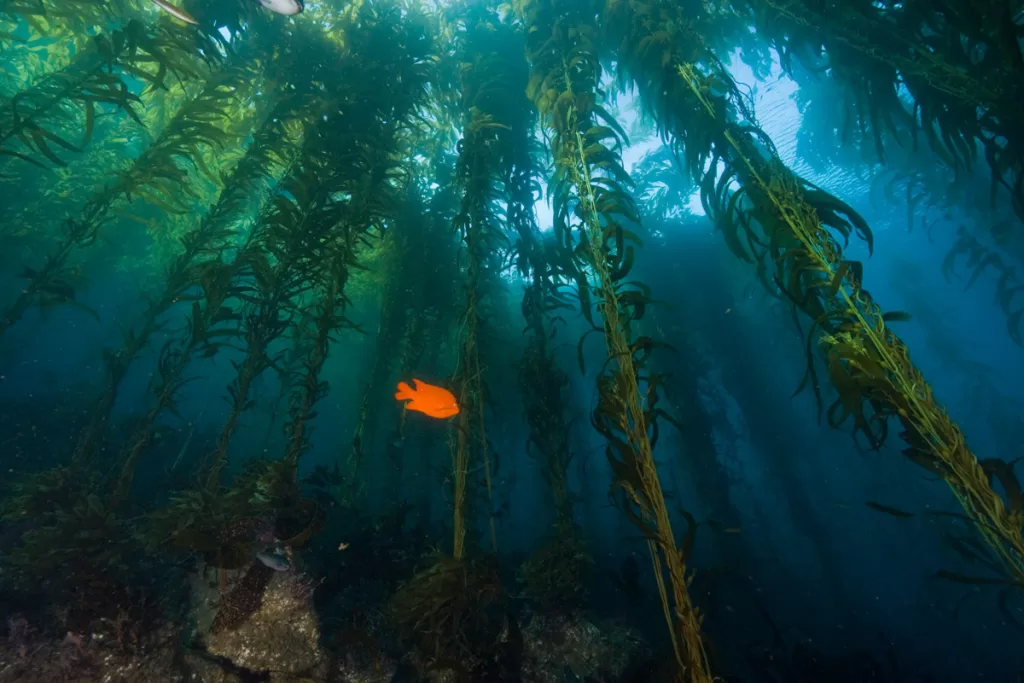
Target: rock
364	667
554	643
94	657
281	637
203	670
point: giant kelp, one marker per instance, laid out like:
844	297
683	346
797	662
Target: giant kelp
980	259
183	139
432	309
443	607
222	290
79	15
486	154
792	230
915	180
417	311
280	273
443	611
311	230
267	154
29	116
98	76
553	576
152	174
662	190
960	64
368	180
591	214
188	130
43	38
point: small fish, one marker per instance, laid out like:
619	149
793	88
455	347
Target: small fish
427	399
887	509
176	12
976	580
286	7
276	562
343	546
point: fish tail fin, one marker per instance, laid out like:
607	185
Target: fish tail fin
404	392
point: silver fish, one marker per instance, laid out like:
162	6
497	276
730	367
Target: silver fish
286	7
278	563
175	11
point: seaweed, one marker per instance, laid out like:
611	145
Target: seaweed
268	152
317	221
961	67
592	210
979	259
490	110
795	233
444	610
153	174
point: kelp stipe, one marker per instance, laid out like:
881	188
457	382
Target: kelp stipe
443	609
553	576
268	153
786	227
591	208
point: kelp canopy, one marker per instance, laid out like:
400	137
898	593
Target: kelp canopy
277	191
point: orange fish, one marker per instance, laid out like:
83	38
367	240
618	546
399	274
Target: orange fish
428	399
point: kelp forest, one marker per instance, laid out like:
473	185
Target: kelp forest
552	341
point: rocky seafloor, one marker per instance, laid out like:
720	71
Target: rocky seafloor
281	640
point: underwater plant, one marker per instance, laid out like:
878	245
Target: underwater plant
961	66
153	174
553	577
788	228
50	16
363	189
412	315
707	455
436	607
391	333
432	312
207	324
89	82
564	50
270	287
490	105
979	259
443	610
269	152
305	244
213	320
